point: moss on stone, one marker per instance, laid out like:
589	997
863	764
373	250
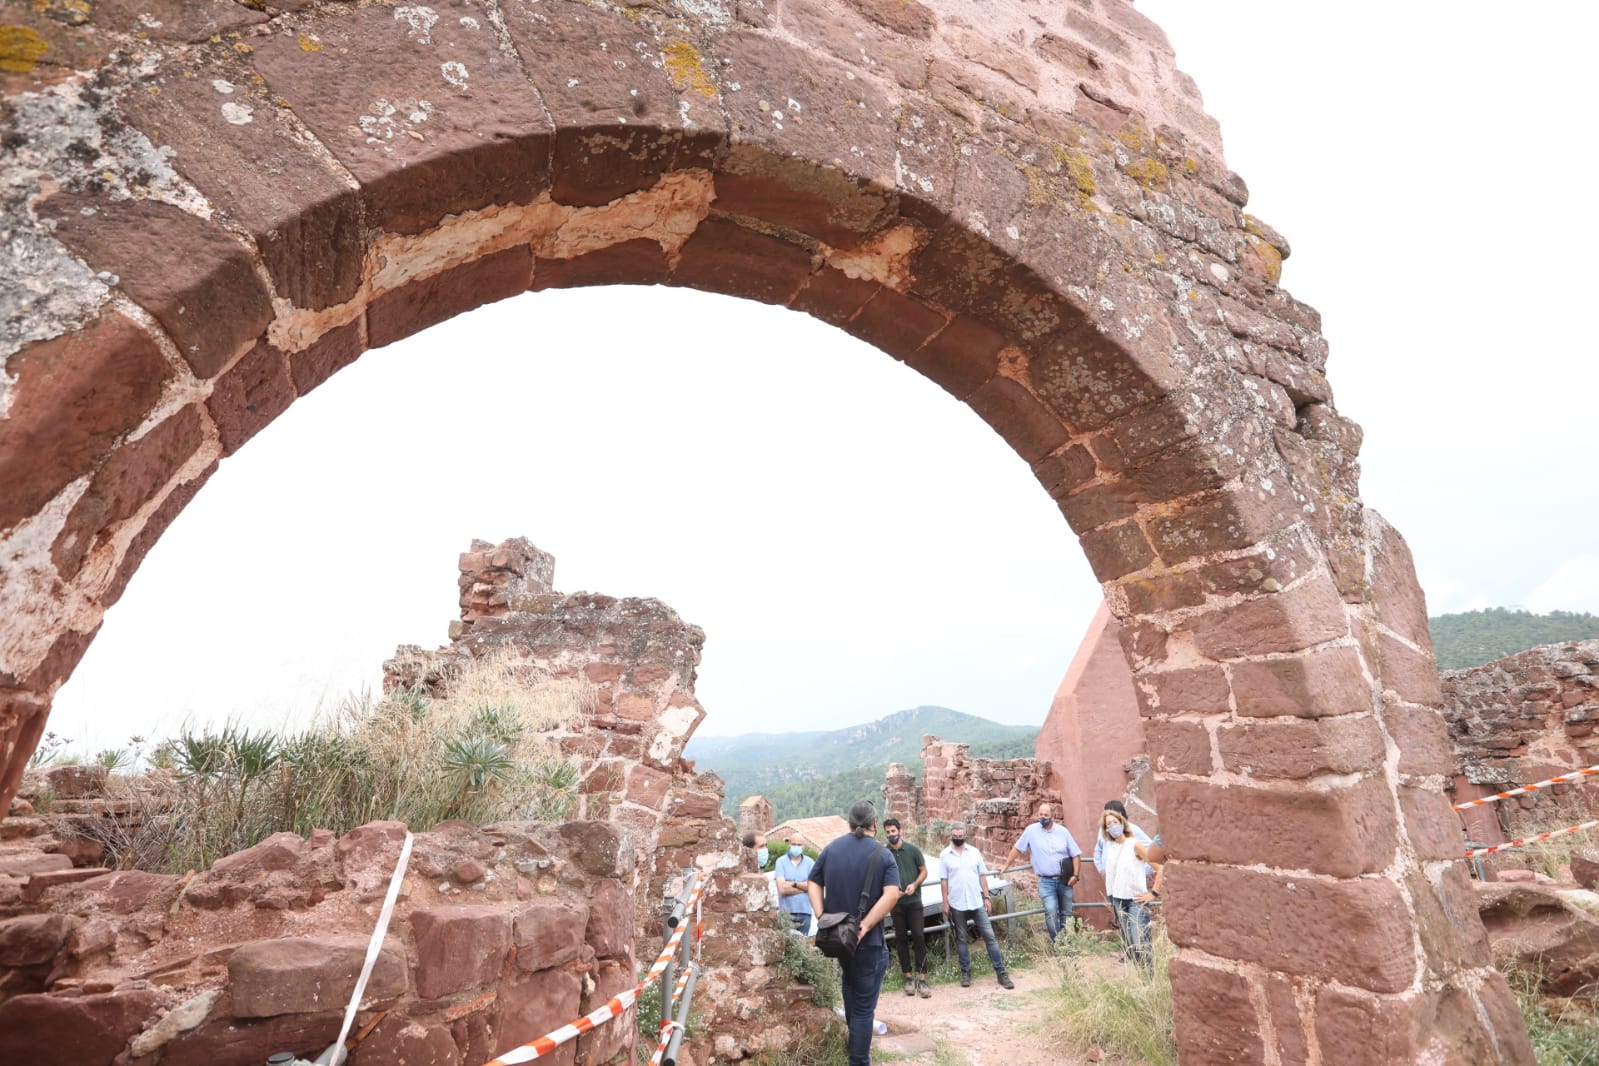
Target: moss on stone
21	48
1150	173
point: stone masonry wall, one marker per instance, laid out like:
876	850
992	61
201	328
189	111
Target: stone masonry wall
1521	719
996	798
500	935
641	660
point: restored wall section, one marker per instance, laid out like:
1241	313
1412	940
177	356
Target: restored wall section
995	798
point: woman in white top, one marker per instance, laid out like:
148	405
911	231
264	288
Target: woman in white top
1126	885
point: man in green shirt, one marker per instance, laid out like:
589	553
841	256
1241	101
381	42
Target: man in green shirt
908	913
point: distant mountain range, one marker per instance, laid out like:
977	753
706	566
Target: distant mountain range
812	773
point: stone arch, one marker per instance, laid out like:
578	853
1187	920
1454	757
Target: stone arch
218	206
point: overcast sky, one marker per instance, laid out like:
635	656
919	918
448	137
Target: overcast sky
853	541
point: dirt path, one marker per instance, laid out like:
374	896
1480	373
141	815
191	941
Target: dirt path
984	1025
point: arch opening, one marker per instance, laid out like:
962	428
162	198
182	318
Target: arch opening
1054	241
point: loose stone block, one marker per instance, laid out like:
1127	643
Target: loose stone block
459	948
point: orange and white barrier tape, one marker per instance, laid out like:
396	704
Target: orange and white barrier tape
614	1008
1496	797
667	1024
1531	840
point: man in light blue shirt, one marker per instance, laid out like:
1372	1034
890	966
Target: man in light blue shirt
1053	852
964	880
793	873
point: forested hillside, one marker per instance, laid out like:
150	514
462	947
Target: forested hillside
1477	637
806	774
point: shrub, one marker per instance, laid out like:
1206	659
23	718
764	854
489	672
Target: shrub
1564	1032
480	751
803	963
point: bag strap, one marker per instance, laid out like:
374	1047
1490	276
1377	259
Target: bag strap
866	889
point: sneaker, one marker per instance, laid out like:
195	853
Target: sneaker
966	980
922	989
910	985
1005	981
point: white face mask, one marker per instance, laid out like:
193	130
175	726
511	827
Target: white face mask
1115	830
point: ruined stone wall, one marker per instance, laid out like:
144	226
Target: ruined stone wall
500	935
1521	719
995	798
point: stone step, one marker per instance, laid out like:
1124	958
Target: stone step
37	884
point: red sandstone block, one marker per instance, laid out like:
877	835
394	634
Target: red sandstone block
1227	521
1178	747
1288	1022
128	480
1343	832
302	214
610	926
72	398
459	948
833	296
961	358
333	351
1310	685
1410	674
1296	748
1368	1030
1448	919
768	174
528	1007
1215	1016
250	395
1089	380
489	145
1100	503
307	975
1117	550
648	787
724	257
603	1044
397	1038
55	1030
895	323
1354	932
194	276
636	262
1430	820
1169	591
620	120
420	304
1065	471
1191	690
1422	736
1015	414
1306	615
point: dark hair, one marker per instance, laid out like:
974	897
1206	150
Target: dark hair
748	840
862	817
890	822
1118	806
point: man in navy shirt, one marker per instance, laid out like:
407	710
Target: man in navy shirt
847	867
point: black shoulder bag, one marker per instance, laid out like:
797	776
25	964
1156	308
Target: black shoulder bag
839	933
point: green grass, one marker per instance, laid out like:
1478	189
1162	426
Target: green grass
828	1047
1564	1032
1123	1009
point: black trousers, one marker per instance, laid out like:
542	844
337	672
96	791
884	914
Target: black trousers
910	925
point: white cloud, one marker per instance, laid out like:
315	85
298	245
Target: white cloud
1574	586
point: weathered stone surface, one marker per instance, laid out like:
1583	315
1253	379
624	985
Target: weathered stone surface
549	933
535	1005
1548	931
70	400
33	939
724	257
1217	1019
1297	748
1342	831
1585	868
305	975
1295	925
424	303
458	132
1315	684
48	1030
458	948
401	1041
26	863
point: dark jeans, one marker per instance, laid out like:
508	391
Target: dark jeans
802	922
986	929
862	981
1057	896
910	927
1133	917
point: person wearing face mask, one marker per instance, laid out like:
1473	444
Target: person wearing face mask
964	879
910	927
1126	883
1057	861
756	843
793	874
1099	838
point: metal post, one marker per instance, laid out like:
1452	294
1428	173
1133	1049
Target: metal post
674	917
672	1046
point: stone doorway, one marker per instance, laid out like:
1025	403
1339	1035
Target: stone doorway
220	211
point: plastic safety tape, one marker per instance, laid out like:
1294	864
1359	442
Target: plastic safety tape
374	947
599	1016
1530	840
1495	798
667	1024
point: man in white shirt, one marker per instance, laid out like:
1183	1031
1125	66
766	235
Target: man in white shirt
964	879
